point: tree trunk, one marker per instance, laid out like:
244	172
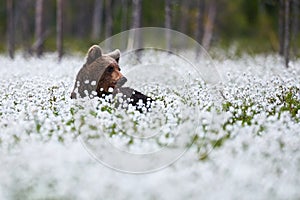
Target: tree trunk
124	22
124	15
200	24
281	26
25	33
137	9
209	25
295	23
10	29
109	22
200	21
136	23
59	29
287	32
39	27
82	18
97	20
168	23
184	16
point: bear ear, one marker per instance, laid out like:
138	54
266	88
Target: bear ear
115	55
93	53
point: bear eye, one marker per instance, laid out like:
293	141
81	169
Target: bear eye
119	69
110	69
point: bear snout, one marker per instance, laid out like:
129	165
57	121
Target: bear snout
121	81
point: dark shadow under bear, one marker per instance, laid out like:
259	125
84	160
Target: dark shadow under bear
101	76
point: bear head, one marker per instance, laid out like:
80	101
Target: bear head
100	73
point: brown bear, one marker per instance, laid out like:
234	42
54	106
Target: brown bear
101	76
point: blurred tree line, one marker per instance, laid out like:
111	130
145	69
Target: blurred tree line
256	26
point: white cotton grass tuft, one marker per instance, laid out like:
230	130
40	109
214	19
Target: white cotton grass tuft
93	83
110	89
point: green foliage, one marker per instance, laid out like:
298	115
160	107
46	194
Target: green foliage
53	100
243	113
108	109
38	126
287	101
153	13
290	102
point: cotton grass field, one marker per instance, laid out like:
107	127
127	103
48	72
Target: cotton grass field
241	142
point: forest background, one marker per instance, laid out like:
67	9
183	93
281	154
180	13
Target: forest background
66	26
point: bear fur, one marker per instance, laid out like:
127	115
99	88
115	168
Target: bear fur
88	79
101	76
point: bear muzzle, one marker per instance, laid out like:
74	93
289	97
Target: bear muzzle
121	82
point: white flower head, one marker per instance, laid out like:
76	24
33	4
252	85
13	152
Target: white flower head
93	83
110	89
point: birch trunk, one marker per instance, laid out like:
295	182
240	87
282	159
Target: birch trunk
39	27
135	40
200	21
295	27
209	25
287	32
184	16
10	29
25	26
168	23
281	26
